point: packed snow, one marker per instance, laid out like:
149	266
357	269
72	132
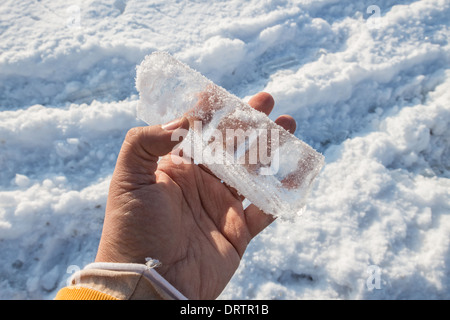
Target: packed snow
367	82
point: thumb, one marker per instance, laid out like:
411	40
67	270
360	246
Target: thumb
144	145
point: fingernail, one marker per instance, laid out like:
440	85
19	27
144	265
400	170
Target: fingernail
172	125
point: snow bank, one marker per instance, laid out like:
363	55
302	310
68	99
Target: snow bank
368	88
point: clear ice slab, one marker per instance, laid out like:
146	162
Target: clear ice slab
266	164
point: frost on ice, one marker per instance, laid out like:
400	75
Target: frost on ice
266	164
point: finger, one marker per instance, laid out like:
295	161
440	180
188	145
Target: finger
235	193
287	122
257	220
263	102
144	145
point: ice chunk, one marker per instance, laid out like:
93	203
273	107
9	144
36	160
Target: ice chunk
269	166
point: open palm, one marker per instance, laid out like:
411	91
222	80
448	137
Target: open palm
180	214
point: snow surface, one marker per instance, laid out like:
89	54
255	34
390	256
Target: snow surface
368	88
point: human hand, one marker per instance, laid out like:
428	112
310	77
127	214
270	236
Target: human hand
178	213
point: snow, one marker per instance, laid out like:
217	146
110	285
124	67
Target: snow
368	89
